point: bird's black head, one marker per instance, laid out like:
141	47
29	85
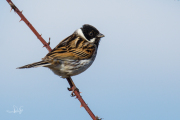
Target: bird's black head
91	33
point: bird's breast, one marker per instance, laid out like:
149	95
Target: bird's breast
68	68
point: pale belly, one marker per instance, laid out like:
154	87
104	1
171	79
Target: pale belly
72	67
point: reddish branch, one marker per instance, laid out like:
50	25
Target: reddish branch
76	92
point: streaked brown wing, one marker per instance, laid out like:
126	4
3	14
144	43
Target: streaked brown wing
65	42
73	48
84	52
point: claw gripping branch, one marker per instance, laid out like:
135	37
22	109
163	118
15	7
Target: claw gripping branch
76	92
12	6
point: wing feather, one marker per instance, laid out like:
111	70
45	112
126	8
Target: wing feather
72	47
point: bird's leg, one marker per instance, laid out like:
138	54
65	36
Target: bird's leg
72	86
70	83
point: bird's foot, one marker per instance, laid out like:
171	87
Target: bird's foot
97	118
73	89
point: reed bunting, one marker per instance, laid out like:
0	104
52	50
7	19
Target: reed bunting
74	54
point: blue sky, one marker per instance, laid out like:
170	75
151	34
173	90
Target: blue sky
135	75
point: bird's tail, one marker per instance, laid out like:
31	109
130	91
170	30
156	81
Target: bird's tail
36	64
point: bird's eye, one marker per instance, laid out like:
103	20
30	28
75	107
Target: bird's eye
91	33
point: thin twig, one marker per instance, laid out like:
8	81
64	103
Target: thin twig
76	92
29	24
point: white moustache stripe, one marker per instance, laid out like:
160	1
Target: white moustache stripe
92	40
80	33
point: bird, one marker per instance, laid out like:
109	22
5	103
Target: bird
74	54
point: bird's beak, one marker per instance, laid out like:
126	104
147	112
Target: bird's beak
100	35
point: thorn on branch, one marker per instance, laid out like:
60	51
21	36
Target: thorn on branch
47	43
21	20
12	6
81	106
38	36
